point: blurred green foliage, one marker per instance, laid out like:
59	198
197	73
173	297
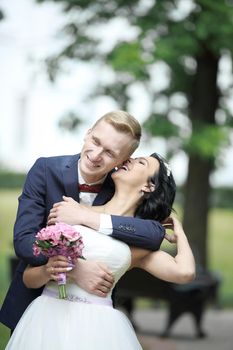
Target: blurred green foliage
190	43
10	179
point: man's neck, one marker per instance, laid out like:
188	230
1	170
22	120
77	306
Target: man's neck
92	181
89	180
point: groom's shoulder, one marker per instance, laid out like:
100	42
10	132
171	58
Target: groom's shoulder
55	162
61	160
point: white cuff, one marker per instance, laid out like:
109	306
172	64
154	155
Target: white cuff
105	224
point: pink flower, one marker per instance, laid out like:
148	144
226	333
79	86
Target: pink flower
36	250
59	239
71	235
42	235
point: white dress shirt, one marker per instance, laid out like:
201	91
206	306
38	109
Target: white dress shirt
88	198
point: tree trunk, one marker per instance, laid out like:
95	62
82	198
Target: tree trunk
203	104
196	207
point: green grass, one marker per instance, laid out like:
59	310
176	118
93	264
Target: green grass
8	207
220	249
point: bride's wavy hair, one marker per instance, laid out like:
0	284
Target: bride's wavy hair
157	204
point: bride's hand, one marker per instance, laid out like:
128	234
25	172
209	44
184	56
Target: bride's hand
55	265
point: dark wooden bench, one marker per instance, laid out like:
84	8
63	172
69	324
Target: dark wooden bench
192	297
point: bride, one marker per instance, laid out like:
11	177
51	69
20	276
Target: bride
144	187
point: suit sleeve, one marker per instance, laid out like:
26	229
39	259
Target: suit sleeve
147	234
31	214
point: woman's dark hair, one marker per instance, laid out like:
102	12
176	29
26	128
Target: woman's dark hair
157	205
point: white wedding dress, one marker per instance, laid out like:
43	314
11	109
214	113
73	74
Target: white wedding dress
83	321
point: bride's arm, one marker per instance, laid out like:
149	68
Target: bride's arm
147	234
91	275
38	276
178	269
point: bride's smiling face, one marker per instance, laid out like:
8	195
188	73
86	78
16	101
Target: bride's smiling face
136	172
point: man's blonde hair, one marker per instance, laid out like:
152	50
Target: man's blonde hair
123	122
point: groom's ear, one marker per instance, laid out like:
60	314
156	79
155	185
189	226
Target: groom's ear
148	188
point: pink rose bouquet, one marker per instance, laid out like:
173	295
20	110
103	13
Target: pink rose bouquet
59	239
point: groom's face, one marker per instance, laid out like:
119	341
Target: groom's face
104	148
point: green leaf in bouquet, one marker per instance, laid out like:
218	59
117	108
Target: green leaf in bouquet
44	244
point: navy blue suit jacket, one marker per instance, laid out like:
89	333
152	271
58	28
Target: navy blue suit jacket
47	181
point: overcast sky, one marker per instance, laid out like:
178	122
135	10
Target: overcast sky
31	106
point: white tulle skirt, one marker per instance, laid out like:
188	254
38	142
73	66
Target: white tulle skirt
55	324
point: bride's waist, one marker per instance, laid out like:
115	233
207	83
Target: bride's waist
76	294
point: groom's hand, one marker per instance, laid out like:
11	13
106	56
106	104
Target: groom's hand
168	224
92	276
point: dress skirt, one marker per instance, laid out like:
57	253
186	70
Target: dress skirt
55	324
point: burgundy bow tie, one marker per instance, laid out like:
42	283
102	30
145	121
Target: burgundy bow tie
89	188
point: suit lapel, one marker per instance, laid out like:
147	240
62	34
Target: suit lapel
106	192
70	177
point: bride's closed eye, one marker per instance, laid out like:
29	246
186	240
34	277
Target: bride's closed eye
142	161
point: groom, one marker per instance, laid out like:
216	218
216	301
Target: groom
112	140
